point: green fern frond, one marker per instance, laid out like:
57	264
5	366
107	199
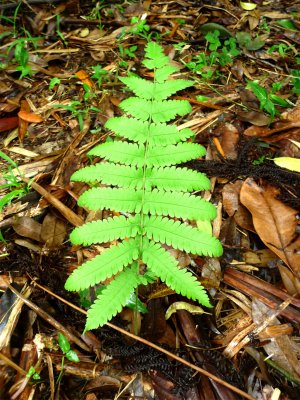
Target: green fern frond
159	91
105	230
113	298
159	134
180	280
181	236
146	184
103	266
158	111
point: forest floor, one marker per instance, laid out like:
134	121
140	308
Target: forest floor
60	65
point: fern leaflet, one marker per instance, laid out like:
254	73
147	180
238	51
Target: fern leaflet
177	279
103	266
113	298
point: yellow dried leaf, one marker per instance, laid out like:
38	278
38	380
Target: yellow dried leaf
182	305
248	6
293	164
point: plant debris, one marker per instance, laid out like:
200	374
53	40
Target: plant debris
61	64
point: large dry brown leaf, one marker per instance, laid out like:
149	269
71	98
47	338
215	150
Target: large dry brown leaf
274	222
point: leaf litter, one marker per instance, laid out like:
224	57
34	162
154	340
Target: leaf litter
60	64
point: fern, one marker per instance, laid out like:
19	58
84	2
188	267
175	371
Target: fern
139	168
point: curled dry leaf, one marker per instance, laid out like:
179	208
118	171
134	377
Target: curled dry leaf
274	222
182	305
30	117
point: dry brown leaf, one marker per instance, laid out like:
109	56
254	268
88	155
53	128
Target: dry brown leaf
234	208
280	349
29	117
274	222
257	118
27	227
8	123
290	281
53	231
84	77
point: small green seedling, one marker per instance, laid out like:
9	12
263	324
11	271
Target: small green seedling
16	187
65	347
268	99
21	53
295	80
59	32
53	82
99	74
33	374
206	63
282	49
140	28
75	108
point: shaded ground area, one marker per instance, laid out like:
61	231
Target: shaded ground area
59	83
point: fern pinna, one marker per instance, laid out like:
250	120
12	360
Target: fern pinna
140	181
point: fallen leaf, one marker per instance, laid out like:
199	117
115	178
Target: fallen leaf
30	117
274	222
280	349
53	231
247	6
293	164
8	123
182	305
27	227
84	77
233	206
257	118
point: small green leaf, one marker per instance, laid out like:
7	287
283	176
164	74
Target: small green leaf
135	303
279	100
63	343
287	24
72	356
53	82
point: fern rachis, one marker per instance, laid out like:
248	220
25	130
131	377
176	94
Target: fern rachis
147	186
